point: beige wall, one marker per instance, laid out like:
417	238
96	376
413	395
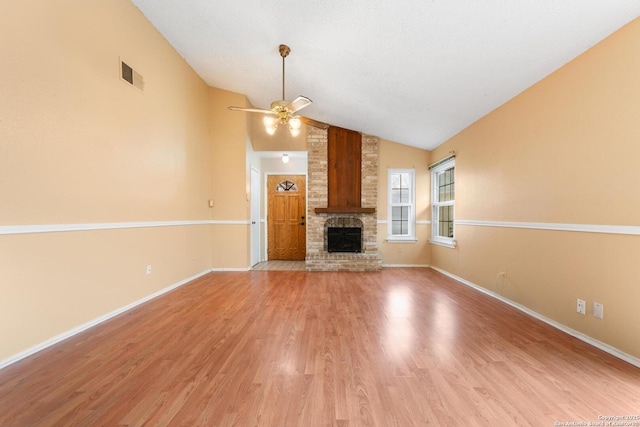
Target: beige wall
564	151
231	181
80	146
79	135
398	156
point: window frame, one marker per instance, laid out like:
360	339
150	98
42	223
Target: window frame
411	229
436	204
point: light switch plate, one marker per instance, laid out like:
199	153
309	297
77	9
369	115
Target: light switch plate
598	310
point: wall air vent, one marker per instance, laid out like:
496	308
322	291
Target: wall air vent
131	76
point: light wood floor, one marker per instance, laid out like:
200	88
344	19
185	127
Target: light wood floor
404	347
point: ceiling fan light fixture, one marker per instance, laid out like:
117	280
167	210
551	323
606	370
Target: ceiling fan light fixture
294	126
270	124
271	129
295	123
269	121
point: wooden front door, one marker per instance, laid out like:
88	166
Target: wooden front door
286	217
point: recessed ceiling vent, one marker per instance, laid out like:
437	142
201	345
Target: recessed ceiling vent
131	76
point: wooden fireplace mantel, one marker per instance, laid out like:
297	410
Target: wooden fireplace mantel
345	209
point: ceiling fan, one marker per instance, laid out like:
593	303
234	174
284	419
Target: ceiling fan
282	112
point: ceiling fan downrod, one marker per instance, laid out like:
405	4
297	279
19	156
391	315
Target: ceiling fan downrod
284	52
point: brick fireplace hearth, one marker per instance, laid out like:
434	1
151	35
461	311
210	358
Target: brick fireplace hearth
318	258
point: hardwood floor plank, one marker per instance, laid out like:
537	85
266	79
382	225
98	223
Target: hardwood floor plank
404	347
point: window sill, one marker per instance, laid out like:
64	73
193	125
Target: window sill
402	239
449	243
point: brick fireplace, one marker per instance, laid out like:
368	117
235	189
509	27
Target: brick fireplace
318	257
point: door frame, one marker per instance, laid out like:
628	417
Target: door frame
255	209
265	188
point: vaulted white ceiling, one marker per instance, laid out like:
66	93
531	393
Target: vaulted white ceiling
414	71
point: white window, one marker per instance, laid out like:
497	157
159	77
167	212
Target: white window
443	197
402	201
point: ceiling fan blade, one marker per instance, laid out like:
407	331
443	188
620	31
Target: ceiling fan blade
251	110
311	122
299	103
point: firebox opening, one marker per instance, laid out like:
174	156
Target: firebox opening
344	239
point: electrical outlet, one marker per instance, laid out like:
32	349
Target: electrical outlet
148	270
581	307
598	310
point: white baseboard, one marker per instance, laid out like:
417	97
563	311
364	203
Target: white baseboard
94	322
579	335
231	269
